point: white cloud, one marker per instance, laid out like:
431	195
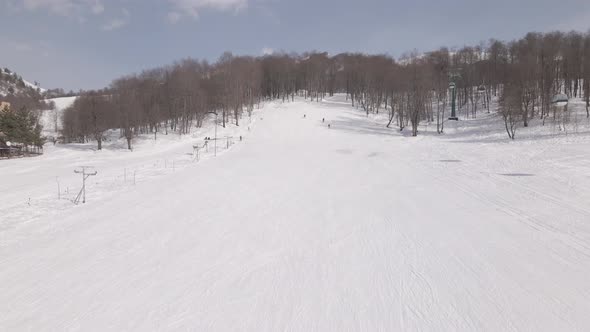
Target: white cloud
114	24
191	8
61	7
117	23
79	10
97	8
71	8
173	17
31	47
267	51
22	47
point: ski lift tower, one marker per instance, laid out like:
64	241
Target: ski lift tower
216	115
86	171
453	86
481	91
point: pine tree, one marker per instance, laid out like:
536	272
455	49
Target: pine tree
21	126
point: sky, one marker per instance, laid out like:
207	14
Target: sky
85	44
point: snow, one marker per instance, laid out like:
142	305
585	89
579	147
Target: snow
33	86
62	103
48	117
4	89
304	228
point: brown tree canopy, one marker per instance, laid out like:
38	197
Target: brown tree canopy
530	71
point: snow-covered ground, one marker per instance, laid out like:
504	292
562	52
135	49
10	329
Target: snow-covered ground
62	103
33	86
51	119
4	87
304	228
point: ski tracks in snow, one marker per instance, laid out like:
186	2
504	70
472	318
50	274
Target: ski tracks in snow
305	228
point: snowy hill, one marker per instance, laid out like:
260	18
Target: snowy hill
302	227
33	86
12	83
51	119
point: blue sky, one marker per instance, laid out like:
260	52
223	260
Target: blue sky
76	44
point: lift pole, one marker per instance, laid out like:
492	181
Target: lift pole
453	87
86	173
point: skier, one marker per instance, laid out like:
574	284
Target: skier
323	120
328	126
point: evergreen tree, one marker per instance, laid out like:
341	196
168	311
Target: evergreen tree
21	126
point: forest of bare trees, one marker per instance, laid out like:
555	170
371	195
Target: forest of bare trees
523	76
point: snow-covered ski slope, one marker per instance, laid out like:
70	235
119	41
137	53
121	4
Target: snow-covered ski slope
304	228
51	120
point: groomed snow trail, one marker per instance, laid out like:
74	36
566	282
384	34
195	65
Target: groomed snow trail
305	228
